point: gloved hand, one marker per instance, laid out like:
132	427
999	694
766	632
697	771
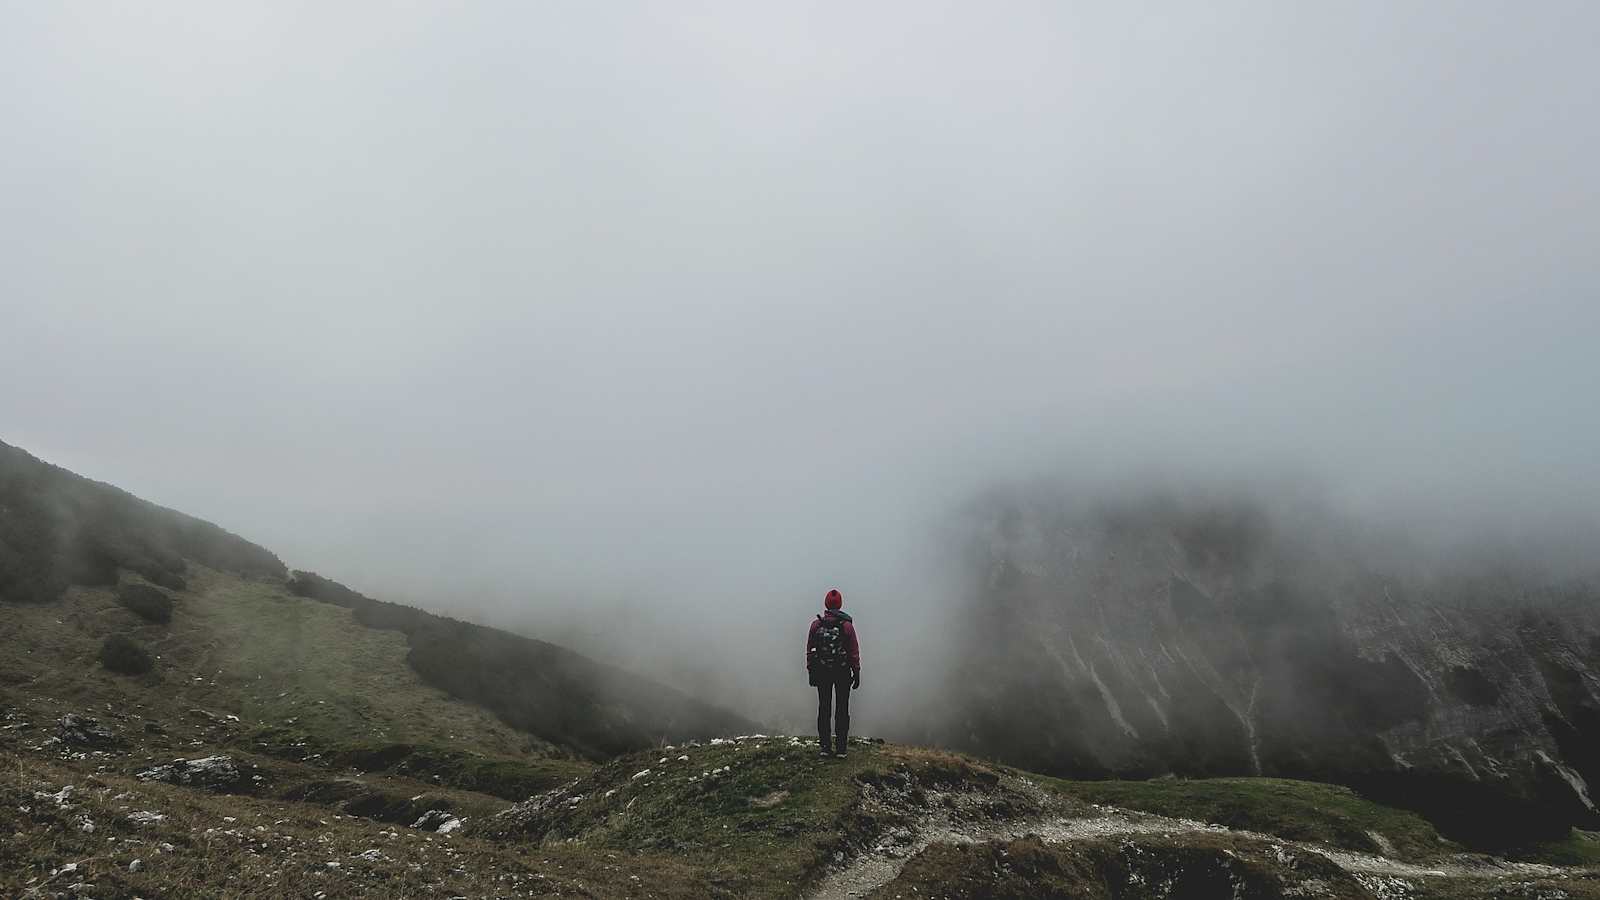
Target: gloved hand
855	679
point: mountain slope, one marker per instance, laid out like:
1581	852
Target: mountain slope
1208	637
70	547
247	649
749	817
765	818
58	529
538	687
292	736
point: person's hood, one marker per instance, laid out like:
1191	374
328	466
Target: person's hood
839	614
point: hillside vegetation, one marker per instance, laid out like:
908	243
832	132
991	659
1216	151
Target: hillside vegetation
348	764
59	529
746	817
249	650
199	601
192	722
757	817
538	687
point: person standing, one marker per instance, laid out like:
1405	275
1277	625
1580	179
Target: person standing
833	662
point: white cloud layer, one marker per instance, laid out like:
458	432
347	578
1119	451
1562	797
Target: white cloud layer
502	308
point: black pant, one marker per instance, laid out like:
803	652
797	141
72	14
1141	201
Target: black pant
829	686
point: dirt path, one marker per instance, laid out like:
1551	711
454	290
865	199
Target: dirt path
879	866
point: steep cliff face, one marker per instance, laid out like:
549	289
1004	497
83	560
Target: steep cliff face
1215	639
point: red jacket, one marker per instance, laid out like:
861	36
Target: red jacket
850	641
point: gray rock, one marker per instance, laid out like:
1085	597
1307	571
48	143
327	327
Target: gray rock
62	798
209	771
85	731
432	820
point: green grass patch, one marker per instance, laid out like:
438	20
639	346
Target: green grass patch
540	688
1295	810
1578	848
247	649
512	779
761	816
1196	867
509	778
278	659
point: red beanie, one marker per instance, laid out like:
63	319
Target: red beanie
834	600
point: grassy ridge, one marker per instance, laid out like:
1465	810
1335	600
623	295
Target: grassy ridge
762	828
1312	812
1295	810
244	647
59	529
511	778
250	650
348	714
760	817
538	687
1197	867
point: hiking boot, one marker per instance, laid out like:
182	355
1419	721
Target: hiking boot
825	752
839	755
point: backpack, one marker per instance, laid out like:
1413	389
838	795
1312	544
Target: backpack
828	650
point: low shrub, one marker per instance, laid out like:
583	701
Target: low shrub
150	604
124	655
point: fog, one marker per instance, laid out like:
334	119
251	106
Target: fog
640	326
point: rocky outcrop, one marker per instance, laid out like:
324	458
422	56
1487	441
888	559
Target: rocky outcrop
438	820
1216	640
86	731
214	772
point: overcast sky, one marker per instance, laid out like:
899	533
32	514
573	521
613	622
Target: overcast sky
495	307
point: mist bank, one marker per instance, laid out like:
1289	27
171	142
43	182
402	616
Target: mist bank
1232	629
1170	624
732	630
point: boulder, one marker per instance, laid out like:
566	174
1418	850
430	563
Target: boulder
85	731
214	772
437	820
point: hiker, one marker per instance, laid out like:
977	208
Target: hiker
833	661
